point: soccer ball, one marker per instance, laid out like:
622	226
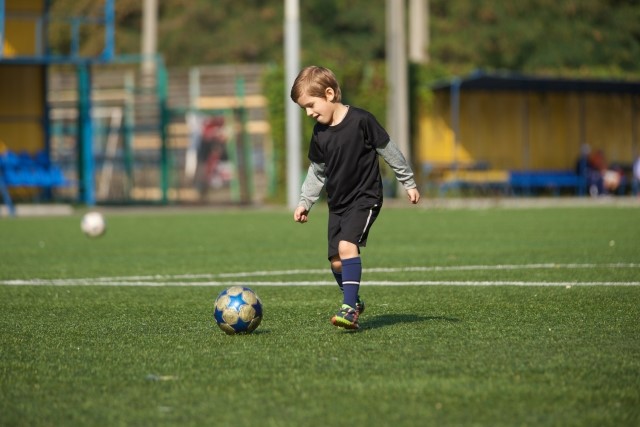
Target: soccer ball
93	224
238	310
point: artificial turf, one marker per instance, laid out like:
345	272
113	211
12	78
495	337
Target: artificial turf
119	330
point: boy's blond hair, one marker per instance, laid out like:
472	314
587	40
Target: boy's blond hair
314	81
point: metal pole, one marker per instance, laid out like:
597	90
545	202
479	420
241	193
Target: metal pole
161	90
397	79
85	137
419	30
109	30
245	139
293	119
127	137
391	70
194	88
149	36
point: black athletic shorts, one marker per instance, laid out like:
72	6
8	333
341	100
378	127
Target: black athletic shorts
352	225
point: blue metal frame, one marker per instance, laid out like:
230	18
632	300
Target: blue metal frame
6	196
109	31
455	118
86	163
46	58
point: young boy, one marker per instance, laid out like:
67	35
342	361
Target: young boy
344	151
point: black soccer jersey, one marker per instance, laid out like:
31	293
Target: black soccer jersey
348	151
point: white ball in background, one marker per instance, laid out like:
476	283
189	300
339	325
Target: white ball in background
93	224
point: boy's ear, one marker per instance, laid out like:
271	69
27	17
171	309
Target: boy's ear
329	94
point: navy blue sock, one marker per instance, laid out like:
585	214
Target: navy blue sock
338	277
351	274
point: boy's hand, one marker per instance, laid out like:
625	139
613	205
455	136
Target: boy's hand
301	214
414	195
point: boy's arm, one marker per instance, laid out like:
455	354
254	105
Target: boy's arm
395	159
310	192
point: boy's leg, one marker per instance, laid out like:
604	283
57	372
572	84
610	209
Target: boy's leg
336	270
351	271
347	233
351	275
355	227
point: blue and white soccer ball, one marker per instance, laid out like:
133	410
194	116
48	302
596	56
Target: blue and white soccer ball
238	310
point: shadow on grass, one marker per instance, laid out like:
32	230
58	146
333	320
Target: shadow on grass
261	331
393	319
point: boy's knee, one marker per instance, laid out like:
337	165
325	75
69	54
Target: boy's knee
347	250
336	264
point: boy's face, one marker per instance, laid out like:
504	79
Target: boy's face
321	109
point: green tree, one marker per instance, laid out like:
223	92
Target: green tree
538	35
599	37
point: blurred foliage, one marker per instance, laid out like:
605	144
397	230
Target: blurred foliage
274	91
597	37
538	35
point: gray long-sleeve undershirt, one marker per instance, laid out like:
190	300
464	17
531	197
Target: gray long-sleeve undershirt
314	182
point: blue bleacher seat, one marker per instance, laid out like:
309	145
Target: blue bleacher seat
24	170
545	179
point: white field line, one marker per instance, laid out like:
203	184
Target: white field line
207	279
366	270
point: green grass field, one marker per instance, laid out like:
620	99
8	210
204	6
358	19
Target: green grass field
495	317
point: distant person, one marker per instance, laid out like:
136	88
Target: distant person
610	177
596	165
213	154
600	178
588	168
344	150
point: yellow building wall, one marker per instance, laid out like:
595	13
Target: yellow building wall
21	107
24	5
20	27
525	130
21	86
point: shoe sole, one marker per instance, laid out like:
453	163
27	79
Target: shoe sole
344	323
